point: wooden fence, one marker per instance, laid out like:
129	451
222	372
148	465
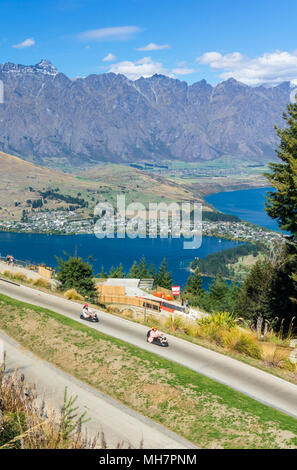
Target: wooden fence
127	300
111	290
45	273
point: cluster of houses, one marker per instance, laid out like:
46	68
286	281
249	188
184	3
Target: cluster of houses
242	231
68	222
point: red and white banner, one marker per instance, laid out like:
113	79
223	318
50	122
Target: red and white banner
175	290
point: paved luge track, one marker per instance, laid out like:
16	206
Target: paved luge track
253	382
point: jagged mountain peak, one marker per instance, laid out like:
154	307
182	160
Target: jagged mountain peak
44	66
107	117
47	66
231	82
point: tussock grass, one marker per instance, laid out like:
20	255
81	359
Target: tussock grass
113	309
72	294
26	424
19	276
225	333
42	283
128	313
277	357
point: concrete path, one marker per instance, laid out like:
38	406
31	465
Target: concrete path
118	422
253	382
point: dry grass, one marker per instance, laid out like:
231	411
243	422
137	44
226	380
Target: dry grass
26	422
232	339
274	356
144	185
17	176
72	294
113	309
18	276
42	283
128	313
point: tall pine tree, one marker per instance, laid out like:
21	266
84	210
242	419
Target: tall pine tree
153	274
78	274
119	272
102	274
282	204
255	293
164	276
143	271
218	294
134	271
194	284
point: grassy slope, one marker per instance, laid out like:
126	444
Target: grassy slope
17	175
210	414
139	185
101	183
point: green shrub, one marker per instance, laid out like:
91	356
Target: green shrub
76	274
224	319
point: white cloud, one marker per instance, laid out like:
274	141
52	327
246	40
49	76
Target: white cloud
272	68
182	71
110	57
116	34
153	47
27	43
145	67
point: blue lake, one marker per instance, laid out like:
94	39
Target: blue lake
110	252
247	204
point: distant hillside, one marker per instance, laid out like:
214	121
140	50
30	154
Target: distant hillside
140	186
21	182
50	119
24	186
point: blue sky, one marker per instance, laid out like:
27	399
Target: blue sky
255	41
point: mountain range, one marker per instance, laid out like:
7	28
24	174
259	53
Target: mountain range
50	119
